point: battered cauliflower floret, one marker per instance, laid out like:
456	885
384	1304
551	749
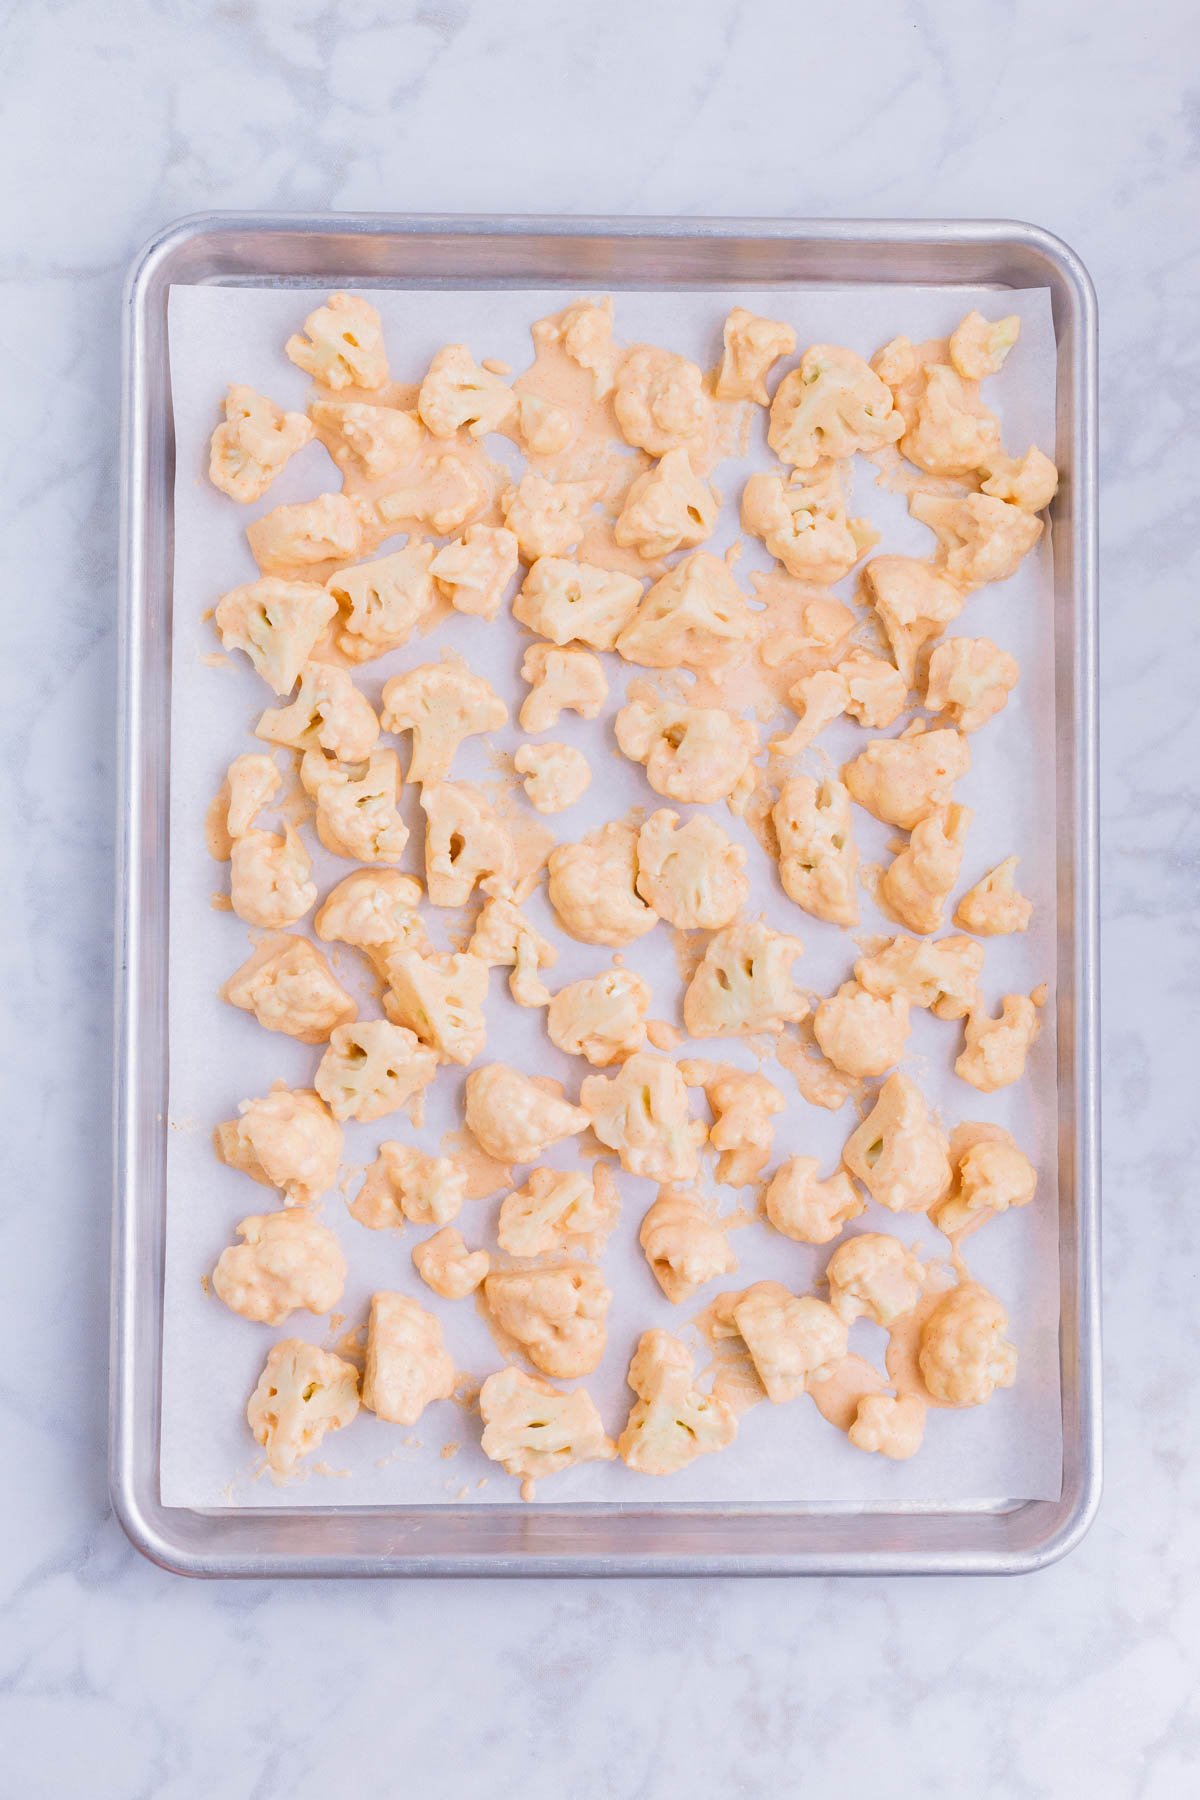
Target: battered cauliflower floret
802	521
328	529
692	875
557	1315
289	986
250	783
276	623
991	1175
752	346
287	1140
475	569
896	363
691	753
981	539
302	1393
269	878
943	976
466	845
602	1017
964	1356
285	1261
356	813
917	883
862	1034
374	910
695	616
660	401
668	508
950	431
592	888
584	329
876	692
548	518
442	704
441	998
831	406
343	346
994	1051
371	1068
743	1106
914	603
1029	481
504	937
744	984
404	1183
366	439
543	428
513	1119
570	602
978	347
994	907
819	698
554	776
256	441
873	1277
446	1265
457	395
559	1210
641	1112
407	1364
448	495
684	1245
793	1340
383	602
328	713
569	680
970	681
671	1422
907	779
898	1153
534	1430
892	1424
812	1211
818	858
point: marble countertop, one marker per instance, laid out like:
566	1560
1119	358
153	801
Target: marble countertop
118	1680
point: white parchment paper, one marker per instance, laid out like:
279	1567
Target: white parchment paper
1008	1450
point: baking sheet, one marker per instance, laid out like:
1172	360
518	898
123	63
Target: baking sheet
1007	1451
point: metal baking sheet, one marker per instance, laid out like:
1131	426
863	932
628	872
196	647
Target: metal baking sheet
595	1538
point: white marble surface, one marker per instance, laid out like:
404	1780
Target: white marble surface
120	1681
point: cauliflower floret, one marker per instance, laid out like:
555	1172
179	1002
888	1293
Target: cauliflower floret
906	779
441	998
672	1422
289	986
917	883
819	698
555	775
466	845
557	1315
571	602
383	602
691	753
752	345
276	623
744	984
374	910
602	1018
250	782
592	888
793	1340
534	1430
641	1112
898	1153
874	1277
994	1050
302	1393
475	569
802	521
256	441
286	1140
449	494
286	1261
328	713
994	907
914	603
446	1265
862	1034
544	428
513	1119
896	363
982	539
694	616
404	1183
344	345
369	440
970	681
407	1364
964	1356
684	1245
548	518
1029	481
325	530
893	1425
818	858
832	405
458	395
876	692
942	976
950	431
356	812
371	1068
668	508
568	680
584	329
503	936
269	878
978	347
743	1106
442	704
559	1210
660	401
692	875
991	1175
807	1209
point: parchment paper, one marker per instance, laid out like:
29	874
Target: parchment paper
1009	1449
